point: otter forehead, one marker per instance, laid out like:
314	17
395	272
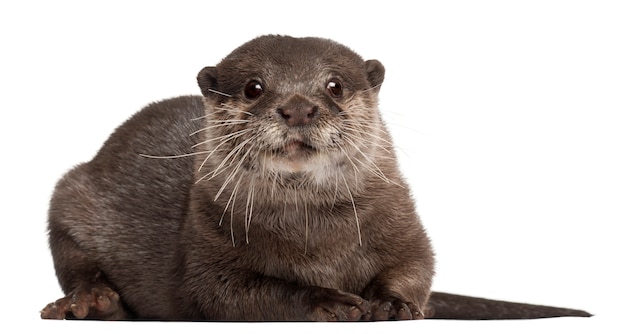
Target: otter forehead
294	53
290	63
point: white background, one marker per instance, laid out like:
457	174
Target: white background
508	116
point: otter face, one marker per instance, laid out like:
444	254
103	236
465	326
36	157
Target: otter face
293	106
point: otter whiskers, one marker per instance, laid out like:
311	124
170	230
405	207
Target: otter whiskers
237	167
218	92
223	140
248	211
229	109
220	123
374	169
356	215
171	156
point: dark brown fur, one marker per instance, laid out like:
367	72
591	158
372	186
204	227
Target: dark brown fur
286	205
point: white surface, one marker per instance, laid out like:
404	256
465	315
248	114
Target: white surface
509	118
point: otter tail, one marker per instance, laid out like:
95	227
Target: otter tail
449	306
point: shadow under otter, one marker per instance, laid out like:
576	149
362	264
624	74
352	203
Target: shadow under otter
275	196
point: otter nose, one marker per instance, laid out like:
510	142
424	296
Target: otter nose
298	111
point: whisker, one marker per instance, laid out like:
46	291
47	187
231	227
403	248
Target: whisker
336	191
250	204
210	175
355	124
359	128
200	117
230	109
224	138
352	133
224	141
370	134
264	165
218	170
372	88
356	169
171	156
375	170
206	159
230	199
274	183
405	127
220	125
356	216
306	228
232	212
204	117
236	169
233	152
229	178
218	92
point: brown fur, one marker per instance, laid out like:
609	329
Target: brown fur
286	205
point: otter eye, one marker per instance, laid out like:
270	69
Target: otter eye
253	90
334	88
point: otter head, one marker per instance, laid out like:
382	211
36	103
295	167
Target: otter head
293	108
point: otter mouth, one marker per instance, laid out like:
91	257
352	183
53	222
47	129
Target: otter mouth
295	156
295	150
297	146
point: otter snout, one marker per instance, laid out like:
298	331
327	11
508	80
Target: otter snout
298	111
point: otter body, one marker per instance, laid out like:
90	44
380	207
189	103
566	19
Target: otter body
274	196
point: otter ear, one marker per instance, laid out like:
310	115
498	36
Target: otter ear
375	73
207	80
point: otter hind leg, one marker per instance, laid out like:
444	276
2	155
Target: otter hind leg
89	294
98	302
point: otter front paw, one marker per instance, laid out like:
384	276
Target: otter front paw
95	303
336	305
393	309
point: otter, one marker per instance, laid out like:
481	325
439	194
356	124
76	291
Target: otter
274	196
